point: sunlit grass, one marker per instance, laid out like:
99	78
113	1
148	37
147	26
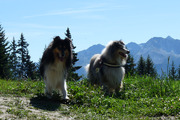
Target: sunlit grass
141	97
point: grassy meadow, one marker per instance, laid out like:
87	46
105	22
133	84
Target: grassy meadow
141	98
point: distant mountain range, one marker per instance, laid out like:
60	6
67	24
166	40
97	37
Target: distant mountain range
85	56
158	48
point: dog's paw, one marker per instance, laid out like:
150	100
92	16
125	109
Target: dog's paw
66	101
65	98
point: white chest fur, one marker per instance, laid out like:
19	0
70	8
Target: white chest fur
54	75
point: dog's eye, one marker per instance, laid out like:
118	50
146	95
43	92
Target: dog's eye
118	46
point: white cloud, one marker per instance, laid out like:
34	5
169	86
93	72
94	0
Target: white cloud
87	9
29	25
66	12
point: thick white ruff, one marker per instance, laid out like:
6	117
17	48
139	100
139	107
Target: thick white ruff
54	78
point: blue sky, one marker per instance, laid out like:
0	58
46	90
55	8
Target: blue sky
90	21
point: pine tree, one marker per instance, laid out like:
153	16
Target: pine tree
149	67
30	67
129	67
172	71
4	56
141	66
179	72
68	35
22	51
13	59
71	73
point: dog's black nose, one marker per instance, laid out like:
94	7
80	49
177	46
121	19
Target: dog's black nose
128	52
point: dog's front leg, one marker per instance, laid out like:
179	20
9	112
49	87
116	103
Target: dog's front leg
64	91
48	91
117	90
121	86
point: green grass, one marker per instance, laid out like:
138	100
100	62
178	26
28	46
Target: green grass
141	97
21	88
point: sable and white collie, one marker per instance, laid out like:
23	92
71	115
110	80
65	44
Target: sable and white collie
107	68
54	64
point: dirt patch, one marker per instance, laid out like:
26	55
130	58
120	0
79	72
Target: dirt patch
34	108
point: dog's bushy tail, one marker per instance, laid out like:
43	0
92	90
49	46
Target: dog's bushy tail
87	68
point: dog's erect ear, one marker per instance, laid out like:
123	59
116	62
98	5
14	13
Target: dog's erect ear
121	42
69	41
70	58
57	38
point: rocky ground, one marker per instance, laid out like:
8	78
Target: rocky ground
24	108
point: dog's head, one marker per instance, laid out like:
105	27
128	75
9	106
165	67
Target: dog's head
62	50
116	52
119	49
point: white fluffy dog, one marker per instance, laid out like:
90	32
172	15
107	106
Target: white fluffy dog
107	68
